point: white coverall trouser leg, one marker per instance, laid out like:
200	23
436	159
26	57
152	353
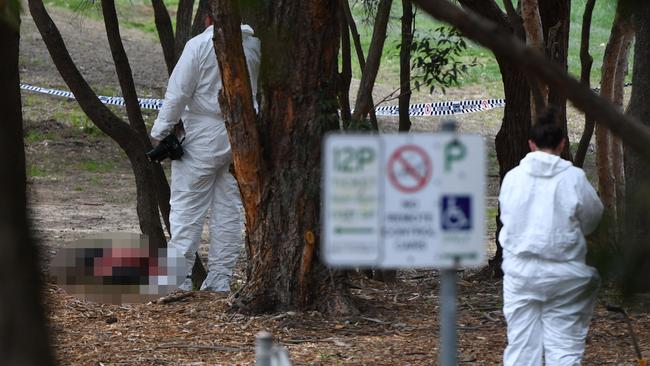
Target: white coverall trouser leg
548	318
201	182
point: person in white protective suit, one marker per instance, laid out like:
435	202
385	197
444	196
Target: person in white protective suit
547	208
201	180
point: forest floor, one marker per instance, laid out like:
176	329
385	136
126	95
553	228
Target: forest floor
81	183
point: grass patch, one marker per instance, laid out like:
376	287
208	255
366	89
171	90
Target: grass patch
95	166
36	171
78	120
34	136
138	14
488	70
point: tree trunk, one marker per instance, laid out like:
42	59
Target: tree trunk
183	25
125	77
356	38
23	330
586	61
165	33
532	24
363	104
556	20
609	152
512	139
637	167
281	188
618	151
198	26
107	122
405	66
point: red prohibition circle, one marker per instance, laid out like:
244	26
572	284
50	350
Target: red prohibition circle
397	159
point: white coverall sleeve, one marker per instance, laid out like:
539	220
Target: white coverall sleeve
590	209
253	54
180	90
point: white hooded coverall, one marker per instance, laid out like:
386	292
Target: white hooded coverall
200	179
547	208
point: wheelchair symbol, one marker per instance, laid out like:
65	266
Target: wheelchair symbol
456	213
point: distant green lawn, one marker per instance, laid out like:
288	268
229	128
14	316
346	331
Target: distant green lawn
488	70
138	14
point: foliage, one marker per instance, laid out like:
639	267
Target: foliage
436	58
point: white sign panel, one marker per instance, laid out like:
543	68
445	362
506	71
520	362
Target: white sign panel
461	199
410	210
404	200
351	211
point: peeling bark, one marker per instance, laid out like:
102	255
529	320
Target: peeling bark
532	24
279	180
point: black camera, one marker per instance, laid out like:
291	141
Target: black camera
169	147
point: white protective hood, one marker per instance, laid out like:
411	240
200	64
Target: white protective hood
547	208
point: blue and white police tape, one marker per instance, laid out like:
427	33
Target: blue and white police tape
415	110
146	103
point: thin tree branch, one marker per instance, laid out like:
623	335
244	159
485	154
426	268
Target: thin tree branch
508	47
125	77
364	103
165	33
586	62
405	66
356	38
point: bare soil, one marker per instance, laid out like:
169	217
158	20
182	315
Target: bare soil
80	183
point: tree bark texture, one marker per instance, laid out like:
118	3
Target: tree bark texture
405	66
607	149
107	122
512	138
586	61
633	133
363	104
198	26
165	33
277	166
637	167
134	113
532	24
618	150
183	25
24	336
556	20
356	38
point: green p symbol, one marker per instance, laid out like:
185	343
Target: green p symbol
454	151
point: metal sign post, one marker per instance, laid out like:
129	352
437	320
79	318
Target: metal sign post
448	333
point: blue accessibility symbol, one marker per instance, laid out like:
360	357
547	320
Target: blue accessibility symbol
456	213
